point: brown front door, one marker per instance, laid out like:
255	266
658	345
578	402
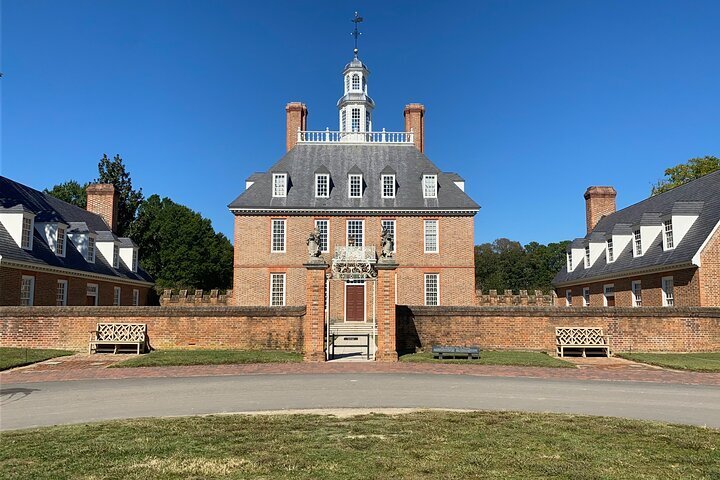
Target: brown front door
355	303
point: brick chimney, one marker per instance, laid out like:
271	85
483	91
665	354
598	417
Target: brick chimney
599	201
296	119
102	198
415	121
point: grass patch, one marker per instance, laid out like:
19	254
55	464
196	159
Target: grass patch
696	362
496	357
423	445
17	357
166	358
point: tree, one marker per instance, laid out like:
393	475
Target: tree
685	172
180	248
71	192
129	200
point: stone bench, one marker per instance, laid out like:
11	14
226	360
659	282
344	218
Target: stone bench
117	335
581	338
442	352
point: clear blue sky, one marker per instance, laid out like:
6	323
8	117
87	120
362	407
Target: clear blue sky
531	101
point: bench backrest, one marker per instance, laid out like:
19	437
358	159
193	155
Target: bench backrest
121	332
580	336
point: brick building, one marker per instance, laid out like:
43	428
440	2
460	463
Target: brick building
55	253
349	185
663	251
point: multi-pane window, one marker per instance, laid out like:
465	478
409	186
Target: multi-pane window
638	243
432	289
347	83
322	227
389	225
355	186
27	291
388	186
278	236
116	296
279	185
668	291
430	186
322	185
61	295
669	241
92	291
355	233
610	251
586	296
431	236
91	250
569	261
134	260
136	297
343	120
277	289
587	256
609	295
367	121
27	225
60	247
356	82
637	293
568	298
116	256
355	119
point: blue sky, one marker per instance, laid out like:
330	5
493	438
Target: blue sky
530	101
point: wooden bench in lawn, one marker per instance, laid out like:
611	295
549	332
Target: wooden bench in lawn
119	335
581	338
442	352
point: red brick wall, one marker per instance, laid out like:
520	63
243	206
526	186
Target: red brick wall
168	327
533	328
415	121
46	289
710	273
102	198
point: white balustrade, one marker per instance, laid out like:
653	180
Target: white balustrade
328	136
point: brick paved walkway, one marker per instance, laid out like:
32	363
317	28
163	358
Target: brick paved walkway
83	367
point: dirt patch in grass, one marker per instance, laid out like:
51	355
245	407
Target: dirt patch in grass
695	362
166	358
18	357
496	357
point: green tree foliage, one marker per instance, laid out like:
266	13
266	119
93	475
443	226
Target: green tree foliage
180	248
71	192
685	172
505	264
129	200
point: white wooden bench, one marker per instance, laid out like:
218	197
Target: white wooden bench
117	335
581	338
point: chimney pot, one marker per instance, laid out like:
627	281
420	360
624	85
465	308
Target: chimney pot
415	122
102	199
599	201
296	117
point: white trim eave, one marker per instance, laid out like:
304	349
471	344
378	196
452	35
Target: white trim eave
625	274
696	258
69	271
345	211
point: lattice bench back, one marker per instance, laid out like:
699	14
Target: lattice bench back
580	336
121	332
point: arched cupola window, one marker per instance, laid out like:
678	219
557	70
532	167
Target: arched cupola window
356	82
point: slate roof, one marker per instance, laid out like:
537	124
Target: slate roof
701	195
301	163
50	209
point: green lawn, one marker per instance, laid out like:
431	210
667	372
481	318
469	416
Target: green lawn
497	357
696	362
165	358
423	445
17	357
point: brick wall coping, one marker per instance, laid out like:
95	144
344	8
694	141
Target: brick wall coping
180	311
533	311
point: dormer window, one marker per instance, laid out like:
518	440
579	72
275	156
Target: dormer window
355	186
669	241
322	185
27	229
610	252
116	256
429	186
637	243
91	250
279	185
60	245
569	261
356	82
134	260
388	186
587	256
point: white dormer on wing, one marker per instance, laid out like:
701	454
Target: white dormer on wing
55	235
646	233
619	238
19	221
129	253
677	223
596	245
83	239
108	245
576	254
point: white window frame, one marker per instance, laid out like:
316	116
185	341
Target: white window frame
668	238
393	222
26	234
134	260
429	189
61	293
362	231
116	256
91	250
343	120
326	234
326	177
96	294
569	261
437	287
568	298
27	285
587	257
637	243
279	185
391	185
607	293
586	296
353	118
610	248
355	83
117	296
284	288
426	235
60	243
636	292
359	178
136	297
668	294
274	233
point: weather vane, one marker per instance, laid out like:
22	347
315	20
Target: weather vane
355	32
